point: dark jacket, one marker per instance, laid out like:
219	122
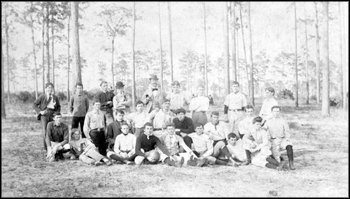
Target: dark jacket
41	103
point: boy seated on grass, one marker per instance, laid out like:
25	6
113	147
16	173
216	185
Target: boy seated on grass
85	150
124	146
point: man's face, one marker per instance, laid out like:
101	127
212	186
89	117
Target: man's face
125	129
79	89
176	88
232	141
148	130
235	88
154	82
199	130
170	130
249	111
257	125
97	106
119	117
214	119
104	87
180	116
49	89
120	92
268	93
58	119
139	107
275	112
76	135
166	105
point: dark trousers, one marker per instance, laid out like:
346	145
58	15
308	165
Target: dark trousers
188	141
75	124
44	120
99	140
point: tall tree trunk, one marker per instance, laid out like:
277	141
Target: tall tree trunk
34	53
133	57
7	53
306	59
325	77
48	42
53	50
239	75
205	51
345	24
171	45
68	57
318	62
160	48
245	51
251	58
341	55
226	51
3	111
233	39
296	56
43	46
112	68
75	44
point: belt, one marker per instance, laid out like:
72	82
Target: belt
235	110
199	111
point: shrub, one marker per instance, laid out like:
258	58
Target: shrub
285	94
25	96
61	96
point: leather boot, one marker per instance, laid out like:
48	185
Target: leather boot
291	165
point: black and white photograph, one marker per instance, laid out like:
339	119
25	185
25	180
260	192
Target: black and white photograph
174	99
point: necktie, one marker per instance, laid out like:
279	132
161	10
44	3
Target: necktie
50	97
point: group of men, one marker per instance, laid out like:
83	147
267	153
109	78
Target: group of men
158	130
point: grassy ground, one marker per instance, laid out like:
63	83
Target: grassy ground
320	149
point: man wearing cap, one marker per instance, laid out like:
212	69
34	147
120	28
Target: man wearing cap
121	100
153	94
105	97
177	98
159	118
234	106
268	103
199	107
45	105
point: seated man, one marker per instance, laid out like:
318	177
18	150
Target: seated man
235	147
257	146
146	148
85	150
160	117
183	126
114	129
138	119
278	129
203	147
246	123
57	138
173	142
215	129
124	146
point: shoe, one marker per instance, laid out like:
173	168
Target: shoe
170	162
180	163
127	162
192	161
108	163
201	162
245	163
291	165
98	163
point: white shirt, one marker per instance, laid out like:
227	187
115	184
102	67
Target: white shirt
138	120
265	111
219	131
124	143
177	100
199	103
245	125
160	118
235	100
202	144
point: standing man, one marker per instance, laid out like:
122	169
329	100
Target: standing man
234	106
46	105
268	103
94	127
159	118
78	107
177	98
105	97
153	94
57	138
121	100
199	107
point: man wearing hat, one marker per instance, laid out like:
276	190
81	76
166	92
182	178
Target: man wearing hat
268	103
45	105
153	94
121	100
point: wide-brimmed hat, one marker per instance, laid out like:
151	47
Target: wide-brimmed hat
153	77
119	85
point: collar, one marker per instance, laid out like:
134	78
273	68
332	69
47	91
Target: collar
56	124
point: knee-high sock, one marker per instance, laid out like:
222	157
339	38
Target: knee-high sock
225	152
249	156
290	153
